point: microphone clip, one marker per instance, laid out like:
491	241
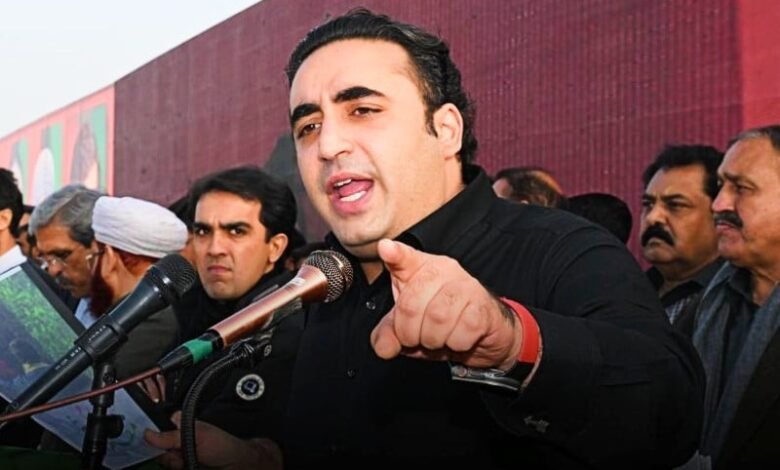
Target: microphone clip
251	351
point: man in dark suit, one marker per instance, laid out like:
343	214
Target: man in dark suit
676	226
735	327
477	333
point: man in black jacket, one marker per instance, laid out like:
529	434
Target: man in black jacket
735	328
477	332
677	231
243	222
486	332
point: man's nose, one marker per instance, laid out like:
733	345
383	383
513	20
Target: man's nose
54	269
656	214
216	245
724	201
333	141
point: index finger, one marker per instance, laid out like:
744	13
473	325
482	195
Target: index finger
400	259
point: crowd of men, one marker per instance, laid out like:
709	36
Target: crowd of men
486	325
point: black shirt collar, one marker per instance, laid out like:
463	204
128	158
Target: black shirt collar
702	277
740	284
441	229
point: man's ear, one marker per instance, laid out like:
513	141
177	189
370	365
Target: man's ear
448	123
276	246
5	218
110	259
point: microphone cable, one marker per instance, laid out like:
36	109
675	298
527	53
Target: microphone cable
80	397
245	353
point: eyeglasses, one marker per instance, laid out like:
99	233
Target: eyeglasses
93	256
55	260
61	259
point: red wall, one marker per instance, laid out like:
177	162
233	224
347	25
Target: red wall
590	89
760	71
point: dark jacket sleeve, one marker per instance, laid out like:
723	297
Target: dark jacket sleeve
147	343
616	382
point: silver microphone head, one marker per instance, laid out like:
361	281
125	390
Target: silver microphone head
337	269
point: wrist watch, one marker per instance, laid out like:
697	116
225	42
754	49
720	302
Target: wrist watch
510	380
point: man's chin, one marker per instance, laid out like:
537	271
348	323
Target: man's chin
731	253
357	240
657	255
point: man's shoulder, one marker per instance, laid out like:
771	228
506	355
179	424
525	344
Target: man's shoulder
545	226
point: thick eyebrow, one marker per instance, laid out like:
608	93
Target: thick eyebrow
301	111
200	226
58	252
674	198
233	225
347	94
227	226
355	93
736	179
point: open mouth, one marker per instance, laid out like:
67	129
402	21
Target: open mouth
351	189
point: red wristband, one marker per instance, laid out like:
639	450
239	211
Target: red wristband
530	348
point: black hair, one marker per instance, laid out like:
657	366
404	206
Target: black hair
181	207
605	210
676	156
529	185
11	198
277	203
439	78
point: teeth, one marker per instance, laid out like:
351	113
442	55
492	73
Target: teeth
343	183
353	197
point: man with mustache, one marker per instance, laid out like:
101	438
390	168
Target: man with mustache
735	328
676	224
62	227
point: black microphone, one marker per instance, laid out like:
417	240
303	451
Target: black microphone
163	284
324	277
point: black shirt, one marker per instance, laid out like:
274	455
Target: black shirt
616	387
248	401
684	297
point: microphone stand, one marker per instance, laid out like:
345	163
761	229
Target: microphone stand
100	425
246	353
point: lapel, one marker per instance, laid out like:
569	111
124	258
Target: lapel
761	394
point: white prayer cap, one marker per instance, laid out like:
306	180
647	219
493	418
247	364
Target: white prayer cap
137	226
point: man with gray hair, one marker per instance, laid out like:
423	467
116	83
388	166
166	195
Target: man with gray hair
735	328
65	240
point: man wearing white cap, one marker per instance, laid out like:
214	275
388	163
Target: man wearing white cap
131	235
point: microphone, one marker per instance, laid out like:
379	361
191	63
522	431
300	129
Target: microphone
163	284
324	277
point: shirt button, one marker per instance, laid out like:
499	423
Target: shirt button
371	305
351	373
